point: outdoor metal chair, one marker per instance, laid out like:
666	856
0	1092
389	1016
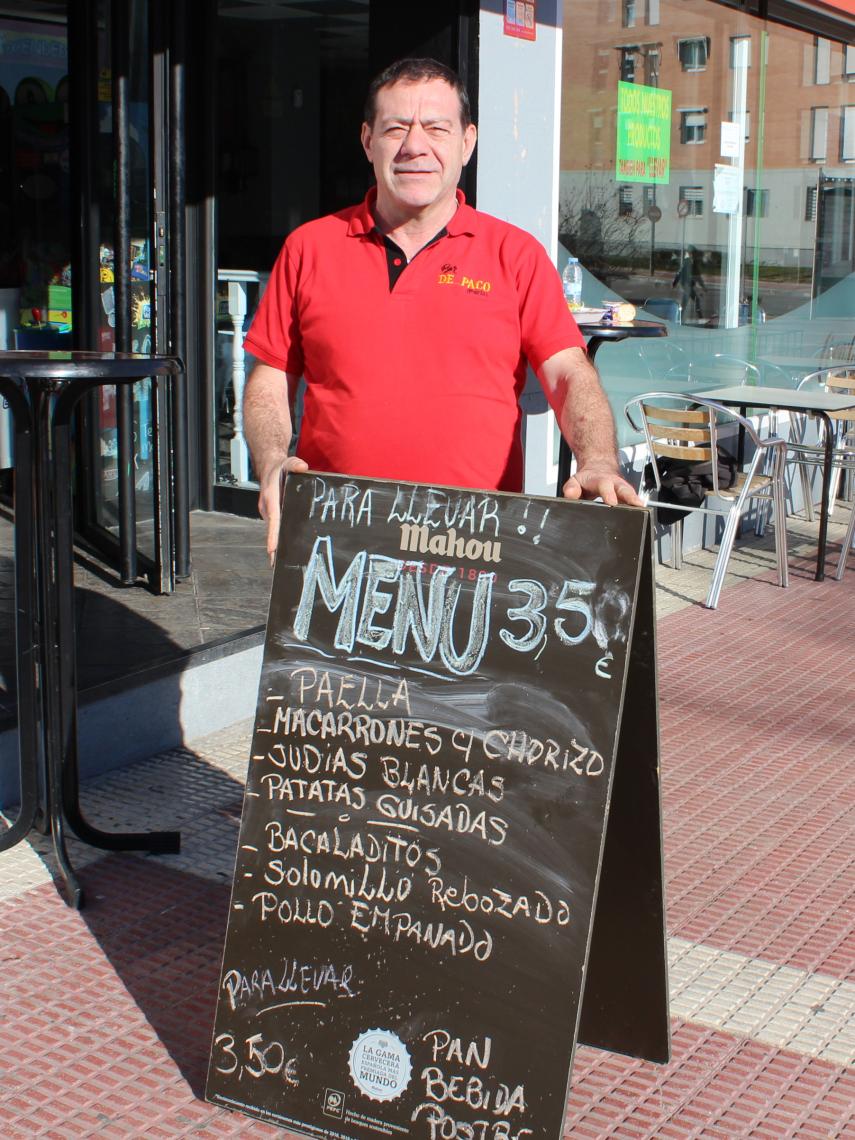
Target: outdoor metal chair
688	429
807	455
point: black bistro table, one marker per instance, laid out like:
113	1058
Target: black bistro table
598	334
42	390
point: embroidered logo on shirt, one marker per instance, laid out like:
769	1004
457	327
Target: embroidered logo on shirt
471	285
475	285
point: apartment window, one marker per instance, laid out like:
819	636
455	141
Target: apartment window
651	66
821	61
757	203
810	204
818	134
624	208
693	53
847	134
602	70
849	62
598	147
627	64
648	197
740	52
693	125
629	13
694	195
651	13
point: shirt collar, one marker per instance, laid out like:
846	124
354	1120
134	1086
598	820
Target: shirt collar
361	222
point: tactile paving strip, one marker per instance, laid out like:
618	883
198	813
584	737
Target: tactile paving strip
805	1013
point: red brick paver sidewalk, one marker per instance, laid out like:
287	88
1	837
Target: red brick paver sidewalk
106	1013
759	788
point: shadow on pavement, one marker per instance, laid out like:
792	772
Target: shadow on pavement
162	932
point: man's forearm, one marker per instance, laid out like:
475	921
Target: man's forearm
586	420
583	412
267	419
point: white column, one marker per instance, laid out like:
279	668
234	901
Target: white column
519	113
741	48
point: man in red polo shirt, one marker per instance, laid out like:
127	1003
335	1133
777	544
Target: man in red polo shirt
412	318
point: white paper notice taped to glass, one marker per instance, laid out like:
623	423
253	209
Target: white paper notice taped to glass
727	189
731	137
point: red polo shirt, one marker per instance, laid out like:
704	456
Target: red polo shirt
421	381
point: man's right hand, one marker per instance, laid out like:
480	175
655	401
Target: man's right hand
267	428
270	499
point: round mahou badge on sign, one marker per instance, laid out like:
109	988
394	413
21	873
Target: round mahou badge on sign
380	1064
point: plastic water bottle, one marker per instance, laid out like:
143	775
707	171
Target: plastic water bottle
572	281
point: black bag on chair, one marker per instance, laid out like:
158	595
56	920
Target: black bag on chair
685	484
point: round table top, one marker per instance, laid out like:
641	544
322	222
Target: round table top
43	364
620	330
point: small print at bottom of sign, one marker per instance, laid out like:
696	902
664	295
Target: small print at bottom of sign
521	19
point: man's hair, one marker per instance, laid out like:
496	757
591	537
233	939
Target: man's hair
416	71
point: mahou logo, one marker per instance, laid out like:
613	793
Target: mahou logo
417	539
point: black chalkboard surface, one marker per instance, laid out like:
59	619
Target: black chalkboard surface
437	742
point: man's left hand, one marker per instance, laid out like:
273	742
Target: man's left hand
601	481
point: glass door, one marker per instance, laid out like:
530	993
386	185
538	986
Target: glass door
126	473
125	307
290	86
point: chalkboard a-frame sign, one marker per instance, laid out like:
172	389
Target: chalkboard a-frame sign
449	865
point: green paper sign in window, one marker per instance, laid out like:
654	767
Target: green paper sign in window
643	134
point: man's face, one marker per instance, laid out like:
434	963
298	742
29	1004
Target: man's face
417	146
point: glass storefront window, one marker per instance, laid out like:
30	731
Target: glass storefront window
35	292
708	177
35	279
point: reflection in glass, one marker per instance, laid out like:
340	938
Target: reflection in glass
735	222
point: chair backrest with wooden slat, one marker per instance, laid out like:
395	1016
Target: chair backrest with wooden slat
686	434
673	431
841	381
